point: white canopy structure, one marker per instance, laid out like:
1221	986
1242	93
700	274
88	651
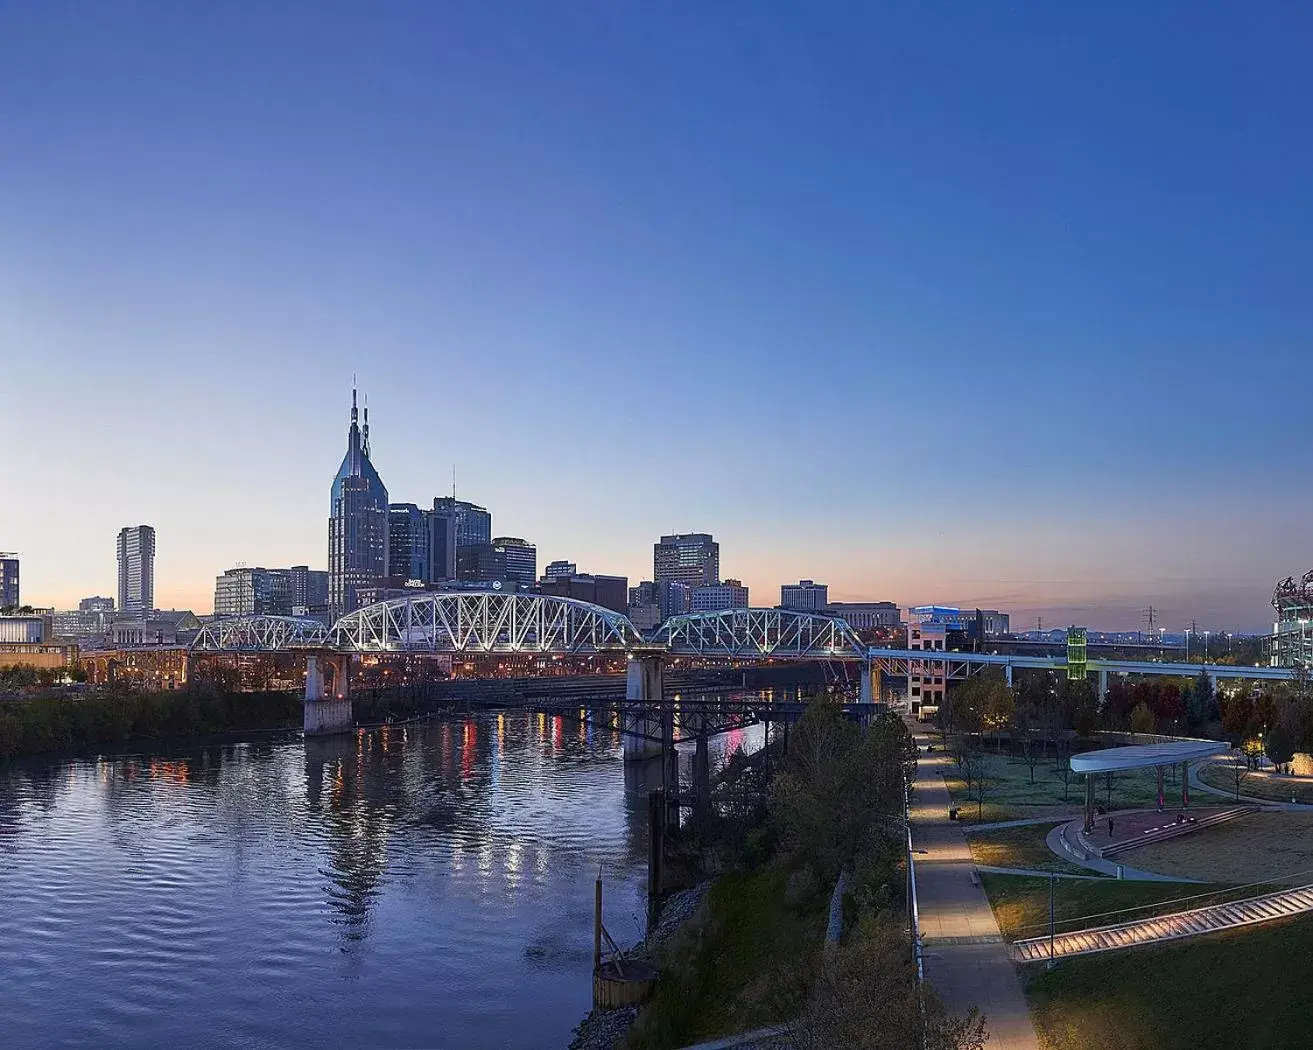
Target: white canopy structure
1146	756
1158	756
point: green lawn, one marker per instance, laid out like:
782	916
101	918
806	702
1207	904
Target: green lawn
1022	847
1245	988
1010	795
1258	785
1021	902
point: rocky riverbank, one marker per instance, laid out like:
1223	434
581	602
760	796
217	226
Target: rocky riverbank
606	1029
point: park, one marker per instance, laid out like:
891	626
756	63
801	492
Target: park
1169	875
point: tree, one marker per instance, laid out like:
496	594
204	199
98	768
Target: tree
1201	706
1030	752
866	998
1239	769
1278	747
840	784
1142	720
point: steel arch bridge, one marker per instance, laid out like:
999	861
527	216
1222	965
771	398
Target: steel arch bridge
484	622
260	634
742	634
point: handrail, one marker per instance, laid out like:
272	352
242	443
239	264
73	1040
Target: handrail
914	913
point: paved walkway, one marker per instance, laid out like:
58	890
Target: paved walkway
965	957
1198	785
1057	843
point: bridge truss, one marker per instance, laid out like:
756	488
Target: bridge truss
758	634
484	622
260	634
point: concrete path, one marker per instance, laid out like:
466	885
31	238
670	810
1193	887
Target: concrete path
1059	845
1198	785
966	959
999	825
1037	873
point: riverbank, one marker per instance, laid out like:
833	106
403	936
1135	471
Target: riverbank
54	724
772	946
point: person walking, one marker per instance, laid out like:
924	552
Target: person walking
1110	827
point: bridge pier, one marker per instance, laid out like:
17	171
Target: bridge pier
327	712
865	695
641	728
1103	686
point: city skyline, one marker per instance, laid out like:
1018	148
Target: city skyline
1032	363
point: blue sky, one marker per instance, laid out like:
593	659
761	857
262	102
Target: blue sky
995	304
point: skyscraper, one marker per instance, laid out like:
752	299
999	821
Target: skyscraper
409	542
357	523
692	558
8	580
136	569
470	526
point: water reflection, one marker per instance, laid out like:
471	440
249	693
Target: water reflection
428	884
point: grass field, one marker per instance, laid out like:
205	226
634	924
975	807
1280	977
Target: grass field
1259	785
1265	847
1021	902
1010	795
1245	988
1021	847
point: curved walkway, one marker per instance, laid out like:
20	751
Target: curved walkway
1059	844
966	958
1198	785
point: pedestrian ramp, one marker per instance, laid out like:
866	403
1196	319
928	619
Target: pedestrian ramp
1174	926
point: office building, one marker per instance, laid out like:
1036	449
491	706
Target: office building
557	569
253	592
805	596
867	616
926	681
357	523
994	623
692	558
728	595
136	554
442	545
92	617
409	542
309	592
610	592
505	558
652	603
9	597
472	523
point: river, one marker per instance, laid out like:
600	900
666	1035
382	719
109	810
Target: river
426	885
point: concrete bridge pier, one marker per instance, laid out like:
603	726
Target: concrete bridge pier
327	711
865	695
641	728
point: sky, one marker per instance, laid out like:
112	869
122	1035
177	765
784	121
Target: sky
1004	305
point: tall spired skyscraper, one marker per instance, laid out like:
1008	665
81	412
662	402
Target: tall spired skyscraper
357	523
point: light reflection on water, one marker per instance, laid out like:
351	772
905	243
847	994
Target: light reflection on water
424	885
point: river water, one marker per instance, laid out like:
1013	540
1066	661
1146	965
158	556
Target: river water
427	885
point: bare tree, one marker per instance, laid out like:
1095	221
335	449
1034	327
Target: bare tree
866	998
1239	769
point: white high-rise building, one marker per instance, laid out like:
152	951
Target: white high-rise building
136	569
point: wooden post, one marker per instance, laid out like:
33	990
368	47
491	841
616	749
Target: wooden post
597	924
656	829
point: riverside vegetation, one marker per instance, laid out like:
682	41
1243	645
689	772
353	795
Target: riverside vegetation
755	953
